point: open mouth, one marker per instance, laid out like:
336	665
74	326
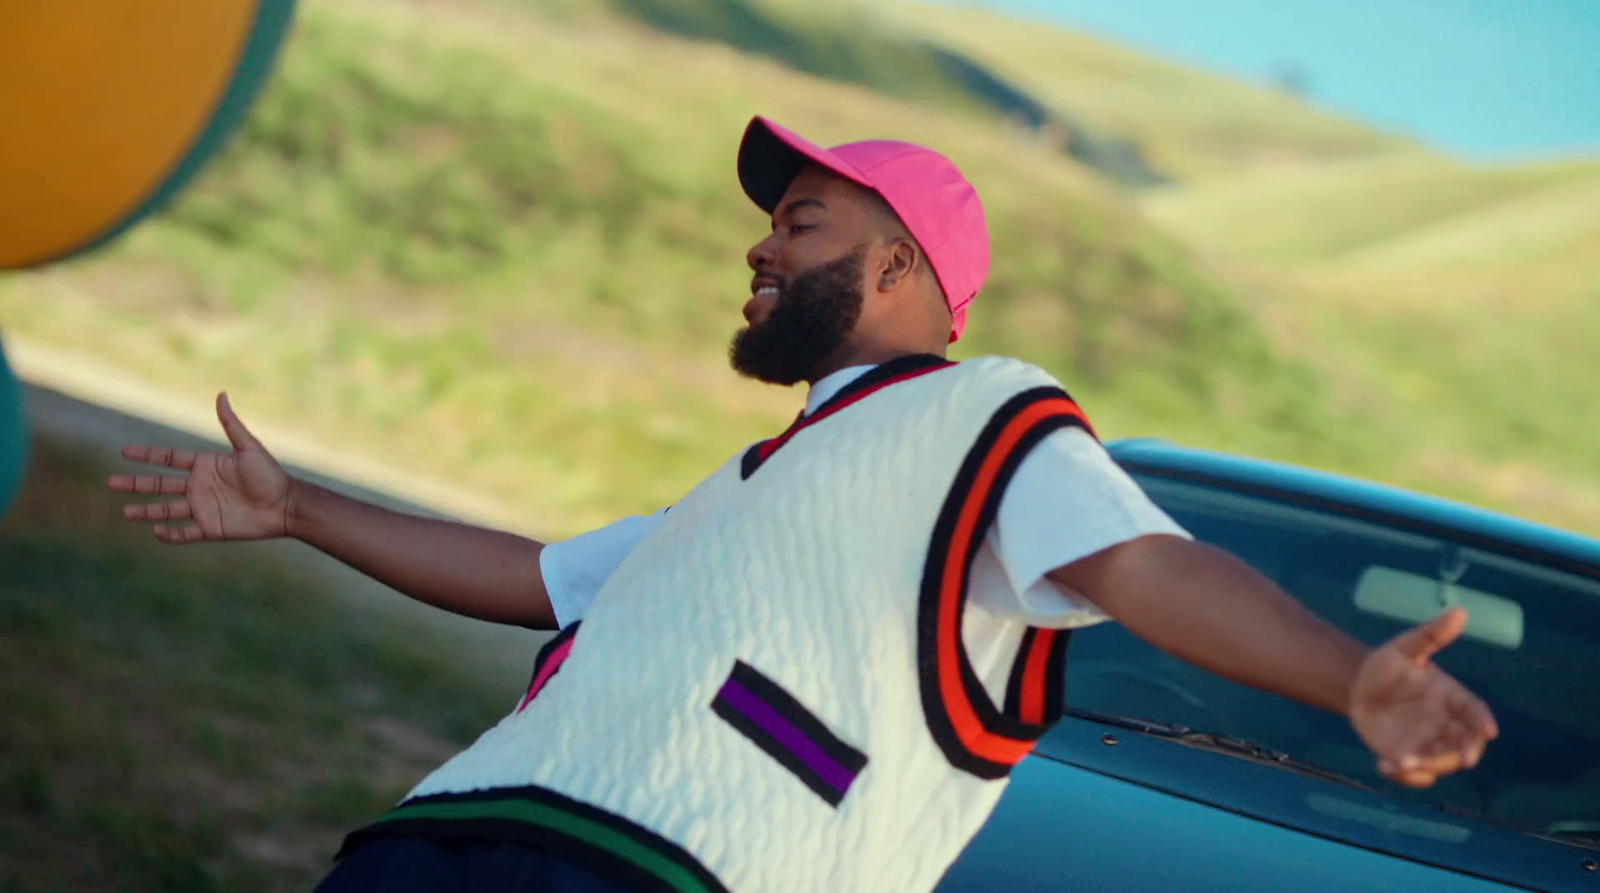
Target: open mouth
761	302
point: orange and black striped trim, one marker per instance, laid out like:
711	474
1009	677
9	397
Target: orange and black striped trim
1036	689
892	372
974	734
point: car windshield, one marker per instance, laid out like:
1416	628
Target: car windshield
1531	650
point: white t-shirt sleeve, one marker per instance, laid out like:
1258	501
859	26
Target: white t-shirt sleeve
575	569
1067	500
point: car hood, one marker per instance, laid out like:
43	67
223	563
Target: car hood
1148	814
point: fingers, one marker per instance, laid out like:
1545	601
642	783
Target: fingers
171	458
158	511
148	483
1415	778
1469	724
1456	749
1452	735
187	533
1457	744
1422	642
1434	762
1475	713
184	460
1432	765
238	434
1431	725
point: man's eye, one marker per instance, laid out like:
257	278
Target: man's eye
797	228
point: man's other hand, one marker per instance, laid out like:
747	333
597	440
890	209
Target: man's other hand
1419	721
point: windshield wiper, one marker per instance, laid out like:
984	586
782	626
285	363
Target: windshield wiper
1147	726
1227	744
1584	834
1263	754
1588	836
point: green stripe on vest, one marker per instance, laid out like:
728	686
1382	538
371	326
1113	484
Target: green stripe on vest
556	819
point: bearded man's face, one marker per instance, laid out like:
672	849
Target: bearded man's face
813	315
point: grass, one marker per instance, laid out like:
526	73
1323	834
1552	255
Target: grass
1447	306
852	48
1557	223
1330	212
196	721
1476	374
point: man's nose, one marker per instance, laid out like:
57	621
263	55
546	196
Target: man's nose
763	254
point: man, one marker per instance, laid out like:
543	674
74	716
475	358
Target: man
815	670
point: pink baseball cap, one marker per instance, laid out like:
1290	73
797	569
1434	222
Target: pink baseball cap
935	202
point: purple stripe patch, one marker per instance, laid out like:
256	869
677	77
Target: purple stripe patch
785	733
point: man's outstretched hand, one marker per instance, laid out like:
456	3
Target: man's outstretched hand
1419	721
240	495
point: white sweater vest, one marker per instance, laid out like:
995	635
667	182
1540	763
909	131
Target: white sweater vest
774	691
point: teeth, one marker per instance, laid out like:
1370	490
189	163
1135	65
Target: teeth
767	290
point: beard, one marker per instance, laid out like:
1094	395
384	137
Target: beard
813	316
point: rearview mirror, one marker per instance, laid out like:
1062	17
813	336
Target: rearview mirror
1414	598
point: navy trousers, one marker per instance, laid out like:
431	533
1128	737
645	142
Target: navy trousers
420	865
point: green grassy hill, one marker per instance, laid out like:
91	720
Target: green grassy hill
1551	223
854	49
1452	306
518	270
1379	205
1137	120
1189	125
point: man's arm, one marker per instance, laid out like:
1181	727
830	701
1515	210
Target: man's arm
245	494
1211	609
1207	607
487	574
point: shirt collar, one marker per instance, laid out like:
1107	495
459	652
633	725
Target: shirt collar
833	383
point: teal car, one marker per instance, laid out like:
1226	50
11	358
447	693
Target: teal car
13	435
1162	776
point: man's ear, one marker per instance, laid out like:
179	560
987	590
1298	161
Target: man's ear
899	265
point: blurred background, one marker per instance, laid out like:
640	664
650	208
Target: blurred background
482	258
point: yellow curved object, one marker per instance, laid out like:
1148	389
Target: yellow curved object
105	103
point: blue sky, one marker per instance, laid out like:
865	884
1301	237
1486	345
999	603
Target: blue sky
1484	79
